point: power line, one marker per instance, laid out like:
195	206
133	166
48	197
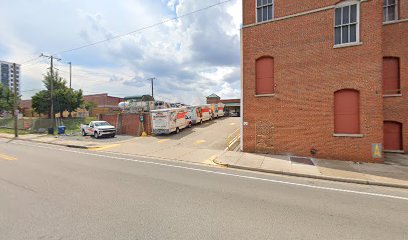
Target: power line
134	31
32	90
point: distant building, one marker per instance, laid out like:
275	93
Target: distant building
105	103
232	106
213	98
26	108
7	75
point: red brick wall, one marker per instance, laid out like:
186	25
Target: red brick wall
289	7
403	9
231	100
129	123
25	104
284	7
113	101
213	100
103	100
99	99
308	70
395	38
110	118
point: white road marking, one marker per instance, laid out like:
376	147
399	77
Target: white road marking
219	173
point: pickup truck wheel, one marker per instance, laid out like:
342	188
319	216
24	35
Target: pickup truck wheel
177	130
83	133
96	135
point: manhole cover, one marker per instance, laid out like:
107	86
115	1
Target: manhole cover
302	160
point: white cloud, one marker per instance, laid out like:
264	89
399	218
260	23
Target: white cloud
191	57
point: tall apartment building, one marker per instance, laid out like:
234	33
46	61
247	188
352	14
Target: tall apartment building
325	78
7	75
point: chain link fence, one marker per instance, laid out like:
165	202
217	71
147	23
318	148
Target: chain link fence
41	125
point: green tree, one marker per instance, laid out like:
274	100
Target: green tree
73	100
58	83
6	99
64	98
89	106
41	102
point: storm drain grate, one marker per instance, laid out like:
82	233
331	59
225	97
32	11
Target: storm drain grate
302	160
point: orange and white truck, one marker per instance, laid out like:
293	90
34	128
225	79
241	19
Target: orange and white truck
169	120
207	113
218	110
195	114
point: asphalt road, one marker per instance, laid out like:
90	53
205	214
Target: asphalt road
49	192
211	135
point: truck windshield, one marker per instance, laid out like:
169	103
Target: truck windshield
99	124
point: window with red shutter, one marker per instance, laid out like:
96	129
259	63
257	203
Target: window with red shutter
347	111
392	135
391	76
265	76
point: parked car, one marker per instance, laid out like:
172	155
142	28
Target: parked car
234	114
98	129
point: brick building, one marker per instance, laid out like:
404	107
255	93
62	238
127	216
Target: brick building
213	98
232	107
325	78
105	103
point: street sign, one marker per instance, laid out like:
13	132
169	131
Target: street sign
376	149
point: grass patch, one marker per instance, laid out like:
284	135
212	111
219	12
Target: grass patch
73	125
11	131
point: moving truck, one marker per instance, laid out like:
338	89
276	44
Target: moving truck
166	121
218	110
195	114
206	112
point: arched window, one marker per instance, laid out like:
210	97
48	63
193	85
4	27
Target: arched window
347	111
264	76
391	76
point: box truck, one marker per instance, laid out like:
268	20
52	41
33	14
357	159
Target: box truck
169	120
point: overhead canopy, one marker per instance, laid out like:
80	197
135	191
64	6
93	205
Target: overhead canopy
232	105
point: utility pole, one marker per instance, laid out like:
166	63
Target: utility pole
152	79
52	81
70	74
15	102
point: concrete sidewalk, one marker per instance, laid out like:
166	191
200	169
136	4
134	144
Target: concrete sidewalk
394	175
54	140
343	171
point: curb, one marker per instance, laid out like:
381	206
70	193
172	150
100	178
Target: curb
335	179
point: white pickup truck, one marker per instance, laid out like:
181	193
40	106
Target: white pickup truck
98	129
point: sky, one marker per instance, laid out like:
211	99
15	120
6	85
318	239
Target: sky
191	57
